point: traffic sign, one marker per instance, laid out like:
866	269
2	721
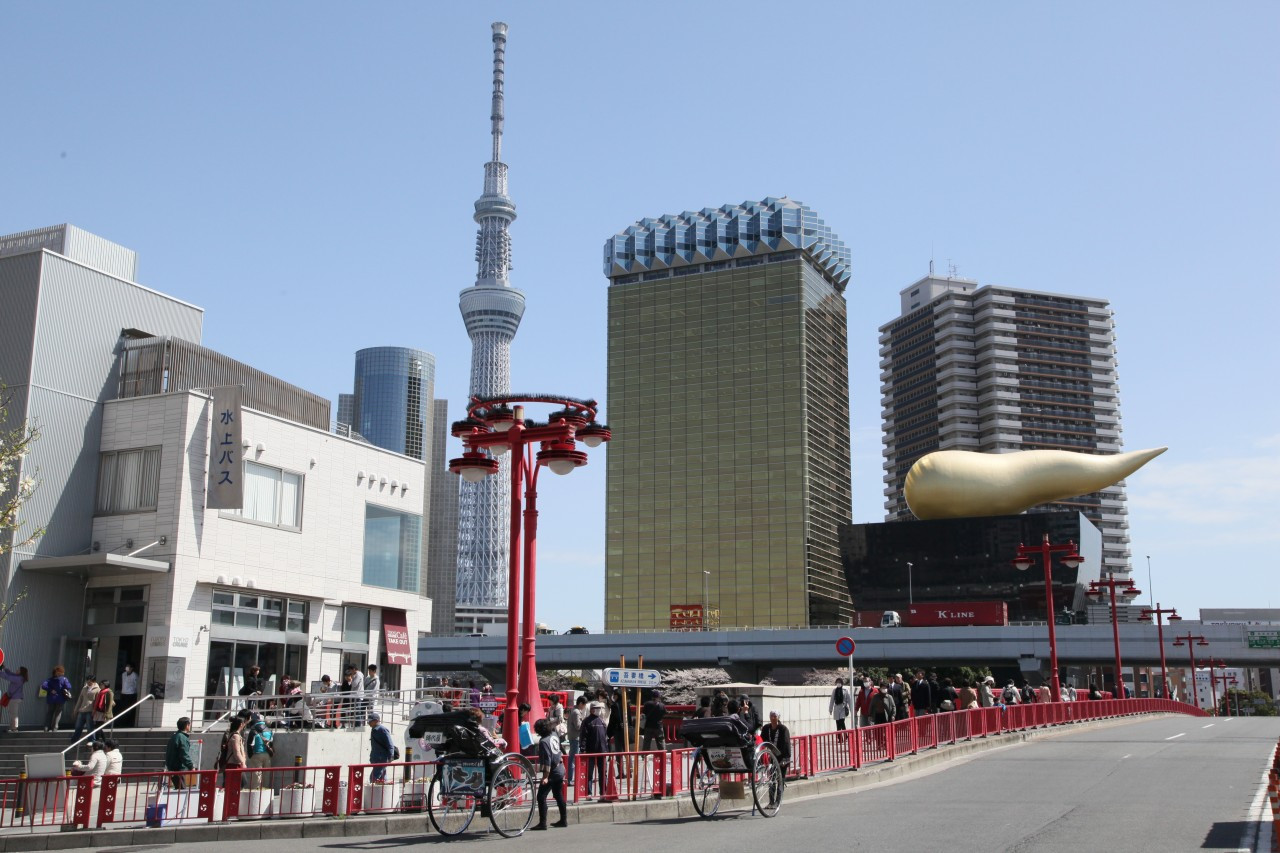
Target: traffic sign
844	646
632	677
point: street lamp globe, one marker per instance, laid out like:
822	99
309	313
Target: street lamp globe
1073	559
1022	563
594	434
473	466
560	457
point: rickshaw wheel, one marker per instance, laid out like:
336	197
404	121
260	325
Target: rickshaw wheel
767	780
704	785
512	799
450	814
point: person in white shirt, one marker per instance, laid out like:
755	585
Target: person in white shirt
355	699
115	761
96	766
128	694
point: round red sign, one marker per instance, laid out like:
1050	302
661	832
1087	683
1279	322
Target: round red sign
844	646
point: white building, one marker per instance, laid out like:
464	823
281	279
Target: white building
996	369
321	568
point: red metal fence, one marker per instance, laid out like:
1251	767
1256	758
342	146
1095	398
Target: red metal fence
301	792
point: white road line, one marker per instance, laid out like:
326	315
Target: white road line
1180	734
1208	726
1123	757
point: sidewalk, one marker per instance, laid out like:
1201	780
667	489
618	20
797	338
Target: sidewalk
596	813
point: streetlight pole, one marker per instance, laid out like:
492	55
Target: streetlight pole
1160	612
911	599
492	428
1095	590
1214	679
1187	640
1071	559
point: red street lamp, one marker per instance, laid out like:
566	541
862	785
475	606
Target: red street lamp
1187	640
1160	612
495	426
1126	587
1071	559
1231	679
1214	679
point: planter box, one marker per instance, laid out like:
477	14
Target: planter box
296	802
415	794
255	803
381	798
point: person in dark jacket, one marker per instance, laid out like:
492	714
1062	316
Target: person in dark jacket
748	714
381	749
652	732
177	753
552	781
704	708
57	692
921	694
617	735
780	736
593	742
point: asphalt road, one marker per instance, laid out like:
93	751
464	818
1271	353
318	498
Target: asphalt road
1168	784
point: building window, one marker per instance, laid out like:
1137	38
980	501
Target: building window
271	496
115	605
355	625
263	612
392	548
128	481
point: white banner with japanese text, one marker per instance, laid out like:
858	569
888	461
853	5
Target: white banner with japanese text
226	462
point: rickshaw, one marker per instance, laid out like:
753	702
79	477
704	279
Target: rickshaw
472	772
725	745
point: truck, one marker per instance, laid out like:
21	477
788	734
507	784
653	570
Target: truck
948	613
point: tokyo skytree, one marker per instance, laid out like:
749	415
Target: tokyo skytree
491	311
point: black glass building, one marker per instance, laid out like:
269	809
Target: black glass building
967	559
391	404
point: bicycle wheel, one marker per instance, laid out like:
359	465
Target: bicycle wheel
767	780
704	785
450	814
512	799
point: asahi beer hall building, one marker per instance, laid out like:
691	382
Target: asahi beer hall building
309	563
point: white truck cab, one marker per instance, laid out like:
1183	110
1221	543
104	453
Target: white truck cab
890	619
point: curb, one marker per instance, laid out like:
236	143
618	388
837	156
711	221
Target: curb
590	813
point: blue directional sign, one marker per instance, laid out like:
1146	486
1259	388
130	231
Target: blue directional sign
632	677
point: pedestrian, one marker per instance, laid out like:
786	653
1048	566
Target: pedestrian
704	708
527	744
780	736
720	704
96	766
372	684
128	694
381	750
1028	693
355	696
555	713
115	760
949	696
1010	695
749	715
594	743
473	694
260	749
863	702
552	781
573	731
177	754
1095	694
838	705
104	706
967	697
324	704
882	706
14	693
617	736
254	685
986	693
652	732
83	709
231	755
57	692
921	694
901	697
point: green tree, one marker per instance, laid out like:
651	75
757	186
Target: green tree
1251	703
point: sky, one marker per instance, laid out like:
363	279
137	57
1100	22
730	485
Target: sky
306	174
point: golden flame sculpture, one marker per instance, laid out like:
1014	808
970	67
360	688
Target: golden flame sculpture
963	483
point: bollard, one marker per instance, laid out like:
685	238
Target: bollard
297	774
21	811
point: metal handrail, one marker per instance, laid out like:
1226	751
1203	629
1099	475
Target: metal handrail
225	714
105	724
393	705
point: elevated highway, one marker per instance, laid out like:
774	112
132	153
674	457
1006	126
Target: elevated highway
750	654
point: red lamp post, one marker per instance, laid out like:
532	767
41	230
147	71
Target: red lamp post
1214	679
1160	612
1226	694
1095	591
1187	640
1071	559
492	428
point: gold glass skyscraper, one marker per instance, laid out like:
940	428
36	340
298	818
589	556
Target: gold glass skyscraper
728	471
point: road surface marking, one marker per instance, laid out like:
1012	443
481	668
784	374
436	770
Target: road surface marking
1208	726
1180	734
1123	757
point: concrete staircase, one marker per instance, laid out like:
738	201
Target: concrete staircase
143	749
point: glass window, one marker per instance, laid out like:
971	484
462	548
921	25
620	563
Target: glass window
355	625
128	481
297	616
271	496
259	611
392	548
115	605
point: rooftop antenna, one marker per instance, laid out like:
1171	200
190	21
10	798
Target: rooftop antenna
931	260
951	269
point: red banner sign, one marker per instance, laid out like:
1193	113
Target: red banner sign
686	617
395	628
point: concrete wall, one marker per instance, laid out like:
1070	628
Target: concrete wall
803	710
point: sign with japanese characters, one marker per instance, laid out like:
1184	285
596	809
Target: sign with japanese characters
687	617
632	677
226	462
1264	639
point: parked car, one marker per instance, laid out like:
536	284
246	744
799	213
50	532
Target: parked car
577	629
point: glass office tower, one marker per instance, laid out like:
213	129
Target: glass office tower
393	392
728	471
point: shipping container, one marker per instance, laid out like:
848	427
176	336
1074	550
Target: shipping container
866	618
946	613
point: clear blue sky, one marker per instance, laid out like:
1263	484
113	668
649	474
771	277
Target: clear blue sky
306	173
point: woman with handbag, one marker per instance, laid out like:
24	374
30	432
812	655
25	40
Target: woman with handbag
104	705
57	692
14	693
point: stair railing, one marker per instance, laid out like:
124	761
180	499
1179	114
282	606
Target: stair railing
108	723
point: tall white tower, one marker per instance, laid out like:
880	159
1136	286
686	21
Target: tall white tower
491	310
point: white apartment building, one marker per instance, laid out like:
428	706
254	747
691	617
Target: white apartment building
995	369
